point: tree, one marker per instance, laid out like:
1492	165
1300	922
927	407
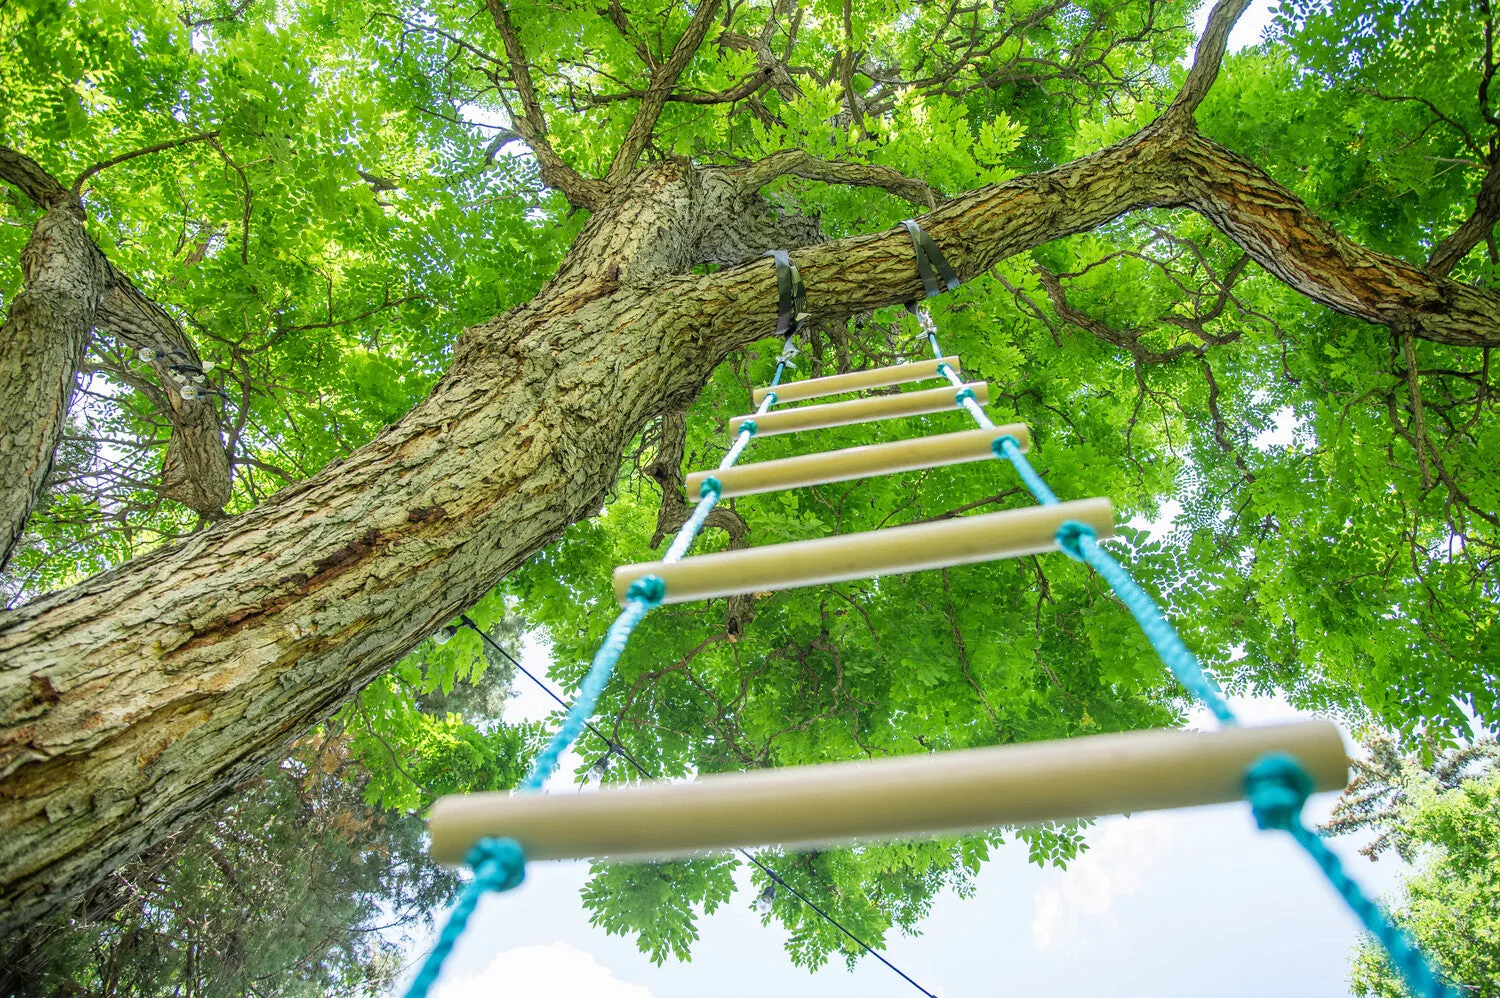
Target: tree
1443	817
293	888
1146	297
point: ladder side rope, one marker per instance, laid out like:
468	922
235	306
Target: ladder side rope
1276	785
618	749
499	864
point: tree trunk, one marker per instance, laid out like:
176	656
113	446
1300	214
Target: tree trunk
70	288
130	701
41	344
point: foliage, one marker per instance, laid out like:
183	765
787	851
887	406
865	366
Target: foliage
431	725
1443	817
1323	491
295	888
324	247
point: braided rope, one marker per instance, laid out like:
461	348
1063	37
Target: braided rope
1276	785
499	864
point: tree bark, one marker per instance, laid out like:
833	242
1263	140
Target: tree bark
41	344
70	288
132	700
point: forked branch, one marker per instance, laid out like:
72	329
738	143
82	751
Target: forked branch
663	80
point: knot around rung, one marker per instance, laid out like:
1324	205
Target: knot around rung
498	864
1277	786
1070	537
651	589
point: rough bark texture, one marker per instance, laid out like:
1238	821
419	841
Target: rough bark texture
130	701
70	289
41	344
196	471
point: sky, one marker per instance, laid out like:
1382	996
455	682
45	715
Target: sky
1166	904
1182	903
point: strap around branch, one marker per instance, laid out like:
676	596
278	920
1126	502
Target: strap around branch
931	264
793	298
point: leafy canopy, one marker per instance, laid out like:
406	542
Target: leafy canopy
363	197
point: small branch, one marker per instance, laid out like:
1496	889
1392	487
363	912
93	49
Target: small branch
532	126
1207	57
1468	137
662	82
1418	416
749	85
148	150
800	163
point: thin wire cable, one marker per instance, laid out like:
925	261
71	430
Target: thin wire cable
621	751
500	864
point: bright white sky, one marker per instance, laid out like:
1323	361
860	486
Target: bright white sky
1185	903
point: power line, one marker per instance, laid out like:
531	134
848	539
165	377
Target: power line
620	750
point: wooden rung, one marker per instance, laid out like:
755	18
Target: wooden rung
817	417
888	798
856	462
940	544
854	381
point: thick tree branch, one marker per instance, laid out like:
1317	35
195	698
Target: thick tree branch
1165	165
581	191
663	80
36	183
196	472
42	341
1208	57
70	288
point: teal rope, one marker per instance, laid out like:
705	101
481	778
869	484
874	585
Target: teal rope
645	593
1276	785
499	864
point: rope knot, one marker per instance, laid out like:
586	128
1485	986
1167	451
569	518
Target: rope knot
1004	443
942	370
498	864
963	395
748	426
771	399
1070	535
650	588
1276	786
710	486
